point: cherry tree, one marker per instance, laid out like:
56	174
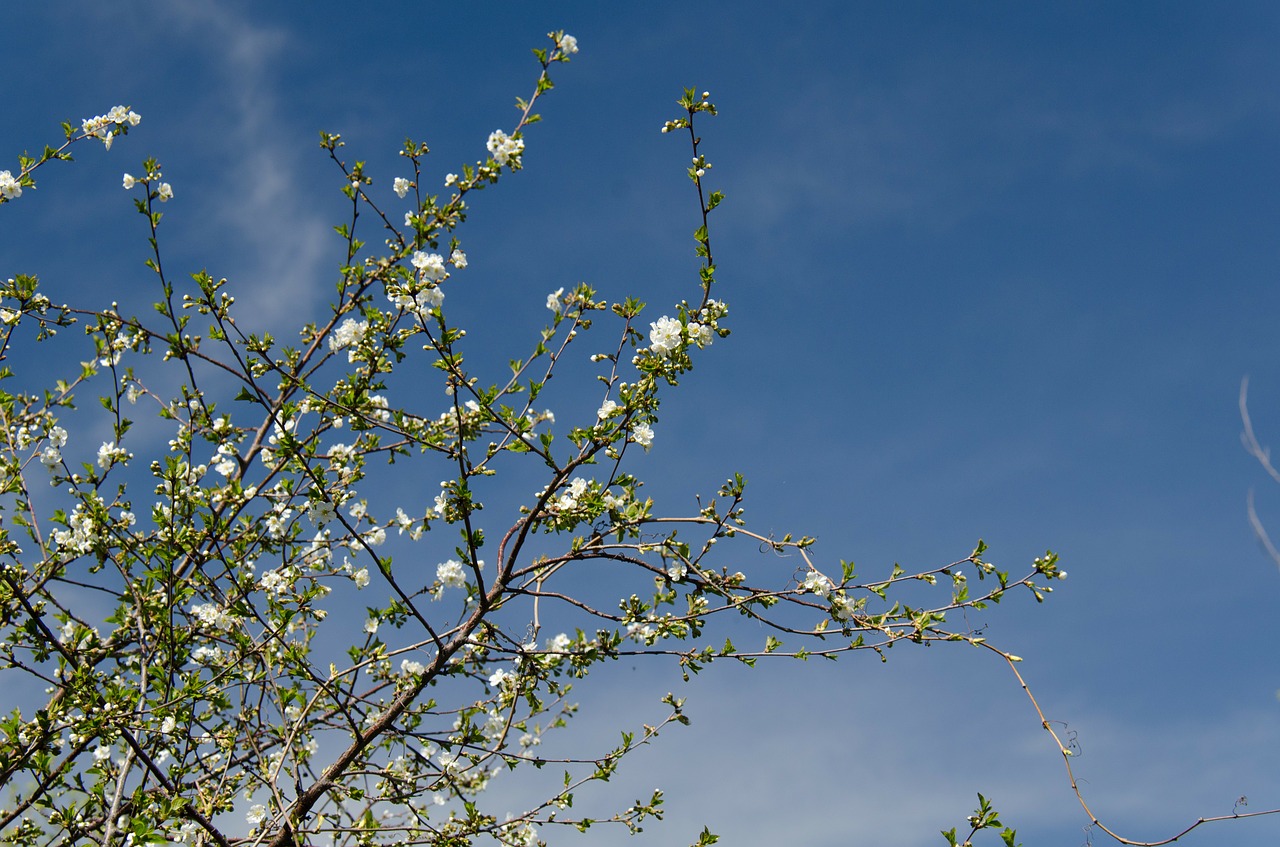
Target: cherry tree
257	629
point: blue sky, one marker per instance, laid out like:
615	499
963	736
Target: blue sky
995	270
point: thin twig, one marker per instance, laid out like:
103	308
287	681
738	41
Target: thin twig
1075	787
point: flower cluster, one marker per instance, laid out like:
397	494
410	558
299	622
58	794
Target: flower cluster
214	616
665	335
452	574
51	455
430	266
82	530
573	493
225	461
281	433
504	148
108	126
842	609
277	582
164	191
110	453
668	334
572	498
423	294
348	334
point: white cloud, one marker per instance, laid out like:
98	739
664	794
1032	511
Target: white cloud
279	253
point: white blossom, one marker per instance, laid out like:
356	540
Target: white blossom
664	335
401	186
567	44
407	524
842	608
379	406
107	126
224	461
642	434
109	454
816	583
278	582
321	512
640	631
701	334
281	430
211	614
82	531
206	654
50	457
573	492
417	301
9	186
186	832
553	300
451	575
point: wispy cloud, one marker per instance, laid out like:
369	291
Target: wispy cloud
279	248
